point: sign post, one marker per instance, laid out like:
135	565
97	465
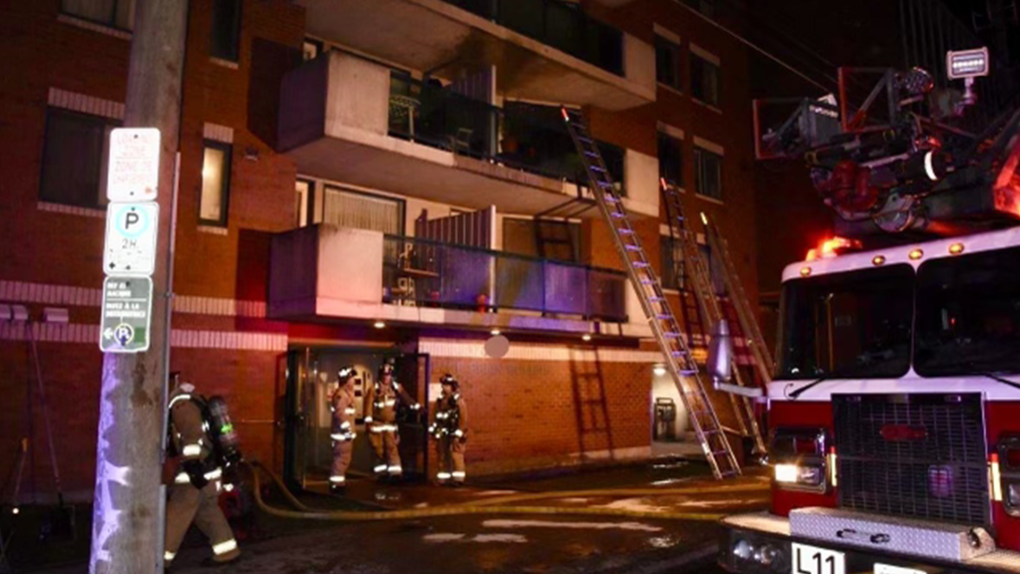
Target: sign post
132	226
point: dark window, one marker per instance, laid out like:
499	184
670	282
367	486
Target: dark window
968	314
226	30
215	197
672	261
706	7
667	63
113	13
75	156
557	240
705	81
715	272
854	324
708	173
671	159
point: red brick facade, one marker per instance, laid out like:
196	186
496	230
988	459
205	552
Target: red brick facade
525	413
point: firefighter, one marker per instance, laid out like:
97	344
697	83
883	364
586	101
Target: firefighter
381	420
449	428
341	404
195	493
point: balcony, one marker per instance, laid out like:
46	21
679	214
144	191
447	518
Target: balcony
407	280
545	50
351	120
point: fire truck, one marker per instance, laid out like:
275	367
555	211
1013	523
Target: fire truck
894	415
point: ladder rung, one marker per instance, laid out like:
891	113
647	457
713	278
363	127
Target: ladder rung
718	452
591	154
625	231
641	264
618	215
632	247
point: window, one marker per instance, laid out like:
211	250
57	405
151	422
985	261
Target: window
706	7
707	173
671	159
215	184
674	276
968	315
311	49
113	13
667	63
226	30
346	208
853	324
75	157
304	192
705	81
548	239
715	271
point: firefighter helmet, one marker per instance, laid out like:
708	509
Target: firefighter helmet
385	369
345	374
451	380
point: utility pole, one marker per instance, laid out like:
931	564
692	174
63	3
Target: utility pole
127	516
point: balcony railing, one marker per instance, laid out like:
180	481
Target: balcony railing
562	25
521	136
429	273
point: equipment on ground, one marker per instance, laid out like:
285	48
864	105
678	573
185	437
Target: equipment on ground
679	361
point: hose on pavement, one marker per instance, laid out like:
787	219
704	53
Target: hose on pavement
494	505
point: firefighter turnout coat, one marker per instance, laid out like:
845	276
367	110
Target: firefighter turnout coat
381	419
194	496
449	428
342	433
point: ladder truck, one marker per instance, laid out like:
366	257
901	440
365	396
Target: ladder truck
894	412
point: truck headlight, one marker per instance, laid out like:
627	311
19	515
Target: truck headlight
799	457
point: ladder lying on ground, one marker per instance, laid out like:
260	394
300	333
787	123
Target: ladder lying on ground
708	300
679	361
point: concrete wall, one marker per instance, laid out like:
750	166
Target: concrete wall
350	264
359	95
639	61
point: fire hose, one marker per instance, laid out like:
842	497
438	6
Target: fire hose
501	505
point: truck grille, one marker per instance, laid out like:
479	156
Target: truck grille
919	455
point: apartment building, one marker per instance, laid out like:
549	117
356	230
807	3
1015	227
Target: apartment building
375	180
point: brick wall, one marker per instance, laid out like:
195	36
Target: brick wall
524	414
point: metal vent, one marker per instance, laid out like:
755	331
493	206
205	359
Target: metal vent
920	455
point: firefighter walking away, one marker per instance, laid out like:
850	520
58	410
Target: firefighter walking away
341	404
449	428
381	419
204	441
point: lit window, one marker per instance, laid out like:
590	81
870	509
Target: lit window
215	184
303	194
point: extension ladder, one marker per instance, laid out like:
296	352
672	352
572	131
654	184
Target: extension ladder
708	303
679	361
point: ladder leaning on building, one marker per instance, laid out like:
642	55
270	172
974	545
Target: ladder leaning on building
680	362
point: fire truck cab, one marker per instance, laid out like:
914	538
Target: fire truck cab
894	415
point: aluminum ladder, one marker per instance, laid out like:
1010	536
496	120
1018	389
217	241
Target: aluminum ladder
763	361
679	361
708	303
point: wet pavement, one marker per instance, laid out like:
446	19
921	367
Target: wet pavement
552	542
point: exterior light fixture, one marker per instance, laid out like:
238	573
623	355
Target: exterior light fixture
956	249
494	332
586	337
659	370
878	260
805	271
915	254
379	325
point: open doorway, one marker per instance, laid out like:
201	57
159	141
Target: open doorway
312	378
672	433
